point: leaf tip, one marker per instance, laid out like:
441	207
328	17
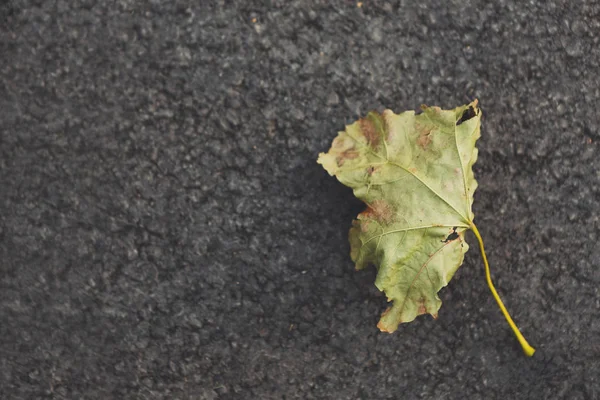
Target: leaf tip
383	327
328	162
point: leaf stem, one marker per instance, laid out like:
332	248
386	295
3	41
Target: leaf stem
526	347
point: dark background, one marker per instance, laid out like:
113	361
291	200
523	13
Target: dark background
165	231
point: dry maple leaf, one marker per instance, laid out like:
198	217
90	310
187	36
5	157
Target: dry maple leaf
414	173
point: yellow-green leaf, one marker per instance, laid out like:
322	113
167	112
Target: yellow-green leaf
414	173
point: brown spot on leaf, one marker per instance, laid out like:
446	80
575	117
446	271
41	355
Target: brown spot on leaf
349	154
378	210
369	131
424	141
371	170
422	307
368	213
364	226
424	138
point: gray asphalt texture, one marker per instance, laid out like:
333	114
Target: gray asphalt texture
166	232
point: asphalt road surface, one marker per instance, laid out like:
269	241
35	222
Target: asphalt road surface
166	232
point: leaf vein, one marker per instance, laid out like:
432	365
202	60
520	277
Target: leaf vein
424	266
414	228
